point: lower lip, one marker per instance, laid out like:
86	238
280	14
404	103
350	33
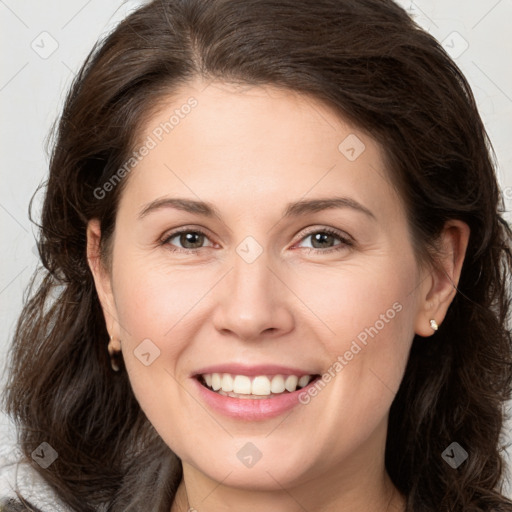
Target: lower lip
251	409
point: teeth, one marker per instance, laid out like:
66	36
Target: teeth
227	382
260	386
291	382
241	384
304	381
216	382
277	384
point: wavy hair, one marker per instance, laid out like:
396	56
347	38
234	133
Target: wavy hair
376	68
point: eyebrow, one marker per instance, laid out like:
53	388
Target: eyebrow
296	209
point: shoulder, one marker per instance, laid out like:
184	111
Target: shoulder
12	505
17	475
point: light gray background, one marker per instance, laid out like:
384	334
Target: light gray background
43	44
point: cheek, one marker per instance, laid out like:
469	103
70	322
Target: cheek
151	309
366	313
153	300
362	300
154	309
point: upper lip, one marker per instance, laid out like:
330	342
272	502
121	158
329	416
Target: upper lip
252	370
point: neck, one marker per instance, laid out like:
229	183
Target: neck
369	490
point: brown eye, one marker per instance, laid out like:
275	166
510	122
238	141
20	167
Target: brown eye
324	240
186	240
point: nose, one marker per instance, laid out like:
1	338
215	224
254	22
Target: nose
253	302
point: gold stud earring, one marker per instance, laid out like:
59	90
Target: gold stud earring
434	325
114	349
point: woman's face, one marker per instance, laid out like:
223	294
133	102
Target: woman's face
295	259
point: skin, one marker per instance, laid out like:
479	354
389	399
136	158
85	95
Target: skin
250	151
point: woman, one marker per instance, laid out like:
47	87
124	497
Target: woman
275	271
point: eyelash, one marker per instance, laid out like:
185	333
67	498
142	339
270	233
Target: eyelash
345	242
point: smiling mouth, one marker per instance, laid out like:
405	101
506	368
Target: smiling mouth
258	387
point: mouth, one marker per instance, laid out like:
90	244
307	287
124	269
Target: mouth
254	387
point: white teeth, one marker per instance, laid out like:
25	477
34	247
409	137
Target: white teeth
261	385
227	382
291	383
216	382
303	381
241	384
277	385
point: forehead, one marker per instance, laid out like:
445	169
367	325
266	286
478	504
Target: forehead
256	143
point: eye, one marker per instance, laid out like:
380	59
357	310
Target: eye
321	240
191	240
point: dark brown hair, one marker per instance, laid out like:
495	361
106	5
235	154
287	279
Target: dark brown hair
373	65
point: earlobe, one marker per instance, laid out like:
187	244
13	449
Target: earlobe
440	290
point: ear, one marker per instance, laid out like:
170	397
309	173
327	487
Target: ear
439	286
102	277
